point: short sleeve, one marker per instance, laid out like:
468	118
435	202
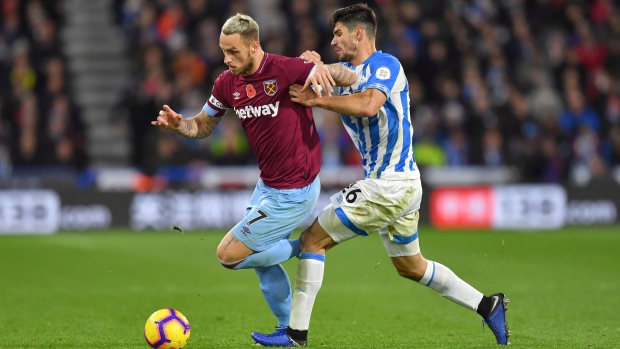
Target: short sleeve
384	72
297	69
217	104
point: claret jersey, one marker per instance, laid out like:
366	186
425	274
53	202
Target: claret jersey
281	133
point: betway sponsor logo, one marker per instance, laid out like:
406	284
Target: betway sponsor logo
251	111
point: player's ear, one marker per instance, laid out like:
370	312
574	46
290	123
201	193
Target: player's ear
359	33
254	47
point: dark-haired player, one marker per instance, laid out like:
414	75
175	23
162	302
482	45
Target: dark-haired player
375	112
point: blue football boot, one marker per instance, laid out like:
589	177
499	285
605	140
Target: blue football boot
277	339
497	320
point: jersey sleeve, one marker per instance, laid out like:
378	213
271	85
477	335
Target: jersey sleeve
297	70
383	74
217	104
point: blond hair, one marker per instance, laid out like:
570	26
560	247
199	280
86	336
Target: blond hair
243	25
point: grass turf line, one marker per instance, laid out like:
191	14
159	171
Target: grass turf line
96	290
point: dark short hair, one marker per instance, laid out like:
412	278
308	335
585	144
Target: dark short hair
356	15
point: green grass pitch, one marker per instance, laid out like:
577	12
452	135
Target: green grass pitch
96	290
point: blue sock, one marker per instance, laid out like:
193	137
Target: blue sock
276	289
281	251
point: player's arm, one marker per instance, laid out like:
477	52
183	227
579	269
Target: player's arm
363	104
328	75
342	75
322	76
197	127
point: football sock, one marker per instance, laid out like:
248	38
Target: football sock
297	335
280	252
485	306
441	279
277	291
307	284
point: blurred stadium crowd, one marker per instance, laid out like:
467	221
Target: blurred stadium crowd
532	84
39	120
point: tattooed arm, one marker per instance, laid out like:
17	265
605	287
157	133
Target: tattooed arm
329	75
342	75
197	127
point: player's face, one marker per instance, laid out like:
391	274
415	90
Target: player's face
344	43
237	54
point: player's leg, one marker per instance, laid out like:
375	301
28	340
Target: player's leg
404	251
272	215
315	242
261	238
273	279
231	251
274	282
352	212
443	280
410	264
234	254
266	230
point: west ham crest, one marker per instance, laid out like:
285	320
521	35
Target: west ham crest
271	87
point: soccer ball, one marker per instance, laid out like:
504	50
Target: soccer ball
166	329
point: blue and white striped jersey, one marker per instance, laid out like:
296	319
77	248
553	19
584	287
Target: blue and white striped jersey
384	140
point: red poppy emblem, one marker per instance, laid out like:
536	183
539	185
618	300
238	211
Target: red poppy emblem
250	91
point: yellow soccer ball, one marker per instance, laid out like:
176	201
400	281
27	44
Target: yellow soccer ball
167	329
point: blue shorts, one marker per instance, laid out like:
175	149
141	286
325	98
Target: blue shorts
273	214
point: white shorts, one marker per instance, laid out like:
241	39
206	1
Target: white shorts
377	205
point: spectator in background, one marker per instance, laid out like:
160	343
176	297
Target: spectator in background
64	141
26	126
558	54
456	148
613	147
484	50
43	30
578	114
22	75
493	154
40	122
429	153
229	146
5	155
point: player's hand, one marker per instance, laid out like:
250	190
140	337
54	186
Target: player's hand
320	78
304	97
168	119
311	56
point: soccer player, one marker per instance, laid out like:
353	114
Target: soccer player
283	136
375	112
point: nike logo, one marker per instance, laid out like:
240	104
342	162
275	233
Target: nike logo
494	303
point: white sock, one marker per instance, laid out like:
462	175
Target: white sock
441	279
307	284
